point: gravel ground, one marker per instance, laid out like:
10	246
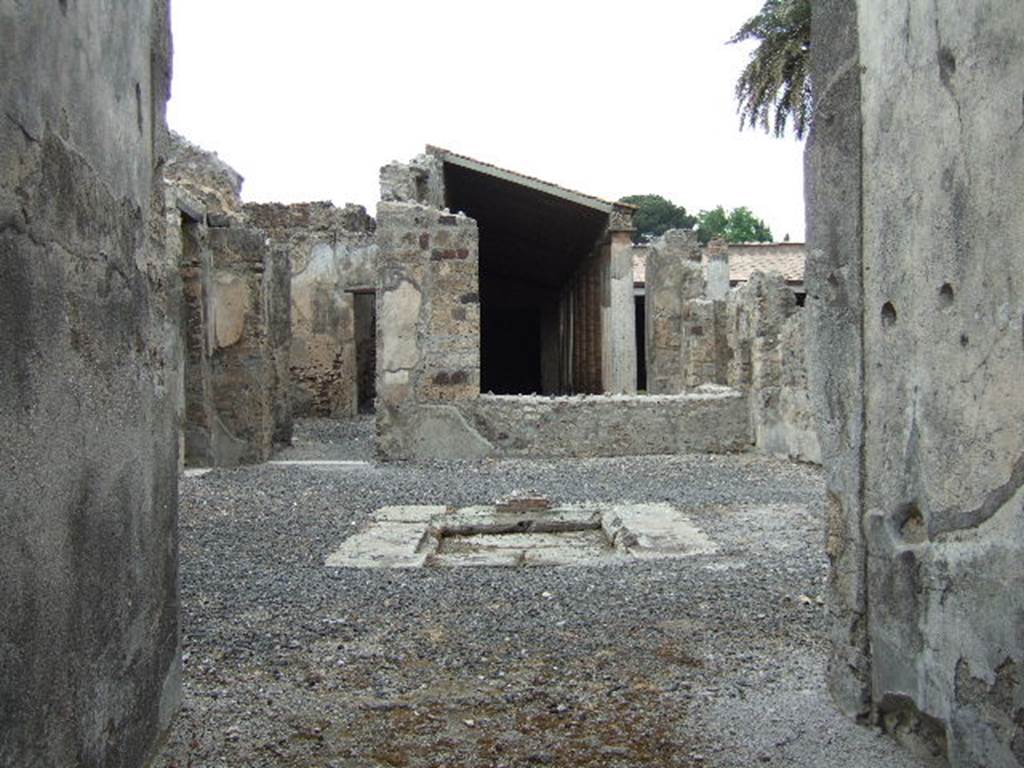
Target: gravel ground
713	660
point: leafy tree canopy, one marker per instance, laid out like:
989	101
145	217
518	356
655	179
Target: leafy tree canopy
775	86
736	226
656	215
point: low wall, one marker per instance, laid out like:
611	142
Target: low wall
711	420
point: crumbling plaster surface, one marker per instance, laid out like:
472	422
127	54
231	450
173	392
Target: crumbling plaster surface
428	329
917	364
89	356
236	319
332	252
750	338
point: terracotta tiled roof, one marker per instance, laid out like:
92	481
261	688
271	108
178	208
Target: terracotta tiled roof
784	258
745	259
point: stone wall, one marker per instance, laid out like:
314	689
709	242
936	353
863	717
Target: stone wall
235	302
428	330
708	420
674	277
89	645
333	254
764	339
749	338
915	172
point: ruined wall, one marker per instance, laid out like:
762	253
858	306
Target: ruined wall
243	374
750	338
235	304
332	253
914	180
429	403
89	652
206	180
674	277
428	331
708	420
764	339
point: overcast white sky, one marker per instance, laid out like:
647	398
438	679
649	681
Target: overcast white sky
308	98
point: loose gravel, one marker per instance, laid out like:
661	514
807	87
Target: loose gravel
712	660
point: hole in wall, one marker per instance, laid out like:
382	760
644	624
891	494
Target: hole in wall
946	295
964	340
888	314
912	525
947	66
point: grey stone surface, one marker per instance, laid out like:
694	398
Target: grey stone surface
579	534
712	420
922	436
713	660
618	317
428	332
89	379
834	343
674	277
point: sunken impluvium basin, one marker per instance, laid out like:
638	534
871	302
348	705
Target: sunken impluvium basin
520	531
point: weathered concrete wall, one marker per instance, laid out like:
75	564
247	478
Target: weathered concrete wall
89	651
709	420
332	252
915	176
428	330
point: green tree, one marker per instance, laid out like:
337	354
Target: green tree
656	215
775	86
736	226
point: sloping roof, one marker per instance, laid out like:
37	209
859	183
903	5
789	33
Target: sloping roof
785	258
590	201
746	258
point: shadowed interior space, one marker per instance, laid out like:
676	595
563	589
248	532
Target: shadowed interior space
539	303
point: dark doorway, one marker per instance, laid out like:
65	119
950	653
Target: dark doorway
195	318
640	304
364	305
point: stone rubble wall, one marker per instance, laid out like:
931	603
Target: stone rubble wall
674	277
764	354
708	420
89	372
428	331
332	252
207	179
915	173
749	338
236	317
421	180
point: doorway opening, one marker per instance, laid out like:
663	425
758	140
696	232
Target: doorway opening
364	306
